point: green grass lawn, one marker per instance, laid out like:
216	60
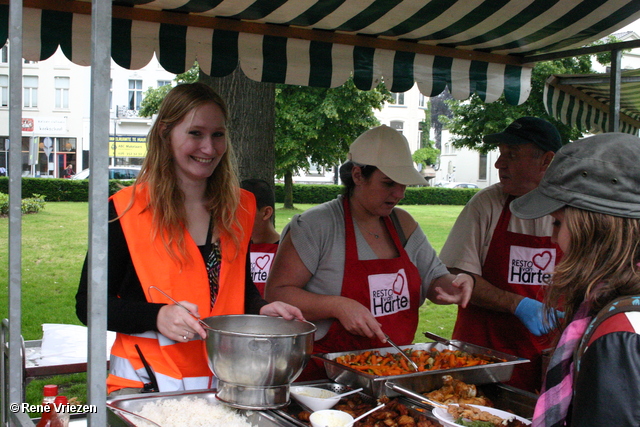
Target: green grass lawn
54	244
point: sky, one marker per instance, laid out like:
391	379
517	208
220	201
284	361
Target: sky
635	26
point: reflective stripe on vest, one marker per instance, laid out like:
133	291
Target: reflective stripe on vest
177	365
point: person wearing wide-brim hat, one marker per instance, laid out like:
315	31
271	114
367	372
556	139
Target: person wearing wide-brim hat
357	266
510	257
592	189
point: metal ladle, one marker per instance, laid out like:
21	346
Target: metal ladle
202	323
402	353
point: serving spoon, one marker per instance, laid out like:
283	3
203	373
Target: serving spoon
364	415
202	322
340	396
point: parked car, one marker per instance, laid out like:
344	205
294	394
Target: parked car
115	172
459	185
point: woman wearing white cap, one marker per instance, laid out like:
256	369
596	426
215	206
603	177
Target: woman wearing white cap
592	189
357	266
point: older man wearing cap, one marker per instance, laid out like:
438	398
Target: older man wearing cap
510	258
357	266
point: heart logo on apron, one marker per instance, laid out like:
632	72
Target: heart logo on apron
398	284
542	260
262	261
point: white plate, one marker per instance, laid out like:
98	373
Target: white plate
447	419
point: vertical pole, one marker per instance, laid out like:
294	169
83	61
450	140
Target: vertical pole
98	216
615	76
15	381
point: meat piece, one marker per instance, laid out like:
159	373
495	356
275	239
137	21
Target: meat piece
406	421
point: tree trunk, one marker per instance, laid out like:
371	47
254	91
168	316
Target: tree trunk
288	190
251	108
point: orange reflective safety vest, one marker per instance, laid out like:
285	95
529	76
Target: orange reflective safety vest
177	365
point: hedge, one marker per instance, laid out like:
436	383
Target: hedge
71	190
59	189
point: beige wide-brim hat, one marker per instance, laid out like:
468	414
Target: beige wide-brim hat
388	150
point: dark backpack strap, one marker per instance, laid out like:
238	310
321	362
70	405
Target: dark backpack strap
398	227
619	305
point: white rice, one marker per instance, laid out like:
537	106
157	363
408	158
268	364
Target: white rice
192	412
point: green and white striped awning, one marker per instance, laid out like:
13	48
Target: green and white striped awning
471	46
584	101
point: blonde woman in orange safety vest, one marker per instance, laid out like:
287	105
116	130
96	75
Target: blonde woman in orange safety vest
184	227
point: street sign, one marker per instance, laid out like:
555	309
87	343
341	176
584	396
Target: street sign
48	145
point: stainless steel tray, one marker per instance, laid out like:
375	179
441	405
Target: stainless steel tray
290	412
134	402
374	385
503	396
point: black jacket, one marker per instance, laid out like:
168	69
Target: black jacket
607	390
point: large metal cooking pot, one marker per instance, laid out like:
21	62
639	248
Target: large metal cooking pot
256	358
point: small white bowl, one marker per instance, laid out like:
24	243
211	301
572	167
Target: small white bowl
314	398
330	418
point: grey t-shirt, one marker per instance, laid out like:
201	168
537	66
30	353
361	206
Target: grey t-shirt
318	235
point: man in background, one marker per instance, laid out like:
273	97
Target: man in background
265	238
510	258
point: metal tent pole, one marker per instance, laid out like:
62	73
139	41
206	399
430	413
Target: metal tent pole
15	384
614	102
98	215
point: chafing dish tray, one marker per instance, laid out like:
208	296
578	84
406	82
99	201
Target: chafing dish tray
374	385
291	412
135	402
502	396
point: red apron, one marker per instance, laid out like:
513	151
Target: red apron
390	288
518	263
262	255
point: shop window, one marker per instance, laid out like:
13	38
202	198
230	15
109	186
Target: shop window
66	144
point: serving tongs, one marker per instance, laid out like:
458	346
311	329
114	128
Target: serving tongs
202	323
438	338
441	340
402	353
415	396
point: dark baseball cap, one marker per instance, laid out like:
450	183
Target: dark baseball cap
528	129
600	174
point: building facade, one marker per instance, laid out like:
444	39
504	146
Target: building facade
55	114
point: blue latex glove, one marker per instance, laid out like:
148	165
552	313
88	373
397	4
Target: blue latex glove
531	313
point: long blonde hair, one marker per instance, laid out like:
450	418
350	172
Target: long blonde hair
166	200
600	263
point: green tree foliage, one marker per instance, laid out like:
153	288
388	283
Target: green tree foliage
317	125
472	119
426	156
153	96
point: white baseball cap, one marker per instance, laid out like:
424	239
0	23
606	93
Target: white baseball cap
388	150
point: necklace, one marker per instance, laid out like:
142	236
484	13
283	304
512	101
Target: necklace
377	236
